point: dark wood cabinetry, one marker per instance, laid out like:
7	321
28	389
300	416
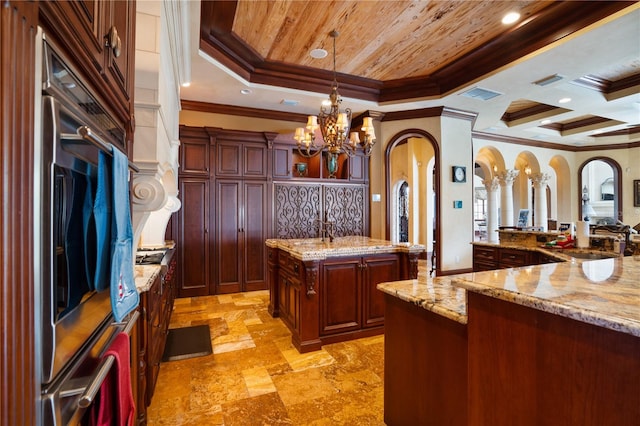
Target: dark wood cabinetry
193	237
241	225
350	300
99	39
225	217
156	305
335	299
239	159
486	258
286	158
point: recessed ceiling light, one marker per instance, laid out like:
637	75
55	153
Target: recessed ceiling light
318	53
186	84
245	91
564	100
546	121
510	18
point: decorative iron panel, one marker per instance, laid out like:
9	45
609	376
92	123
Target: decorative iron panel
297	209
344	206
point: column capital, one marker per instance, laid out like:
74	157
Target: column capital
539	179
491	184
506	177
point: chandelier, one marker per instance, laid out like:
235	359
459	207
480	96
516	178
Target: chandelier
334	126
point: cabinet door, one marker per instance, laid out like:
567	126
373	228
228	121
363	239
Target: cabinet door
228	234
377	270
82	18
281	162
509	258
194	157
193	238
358	168
254	161
484	258
253	235
119	24
340	302
228	162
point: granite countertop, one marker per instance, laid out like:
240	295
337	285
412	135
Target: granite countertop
316	249
603	292
145	275
433	294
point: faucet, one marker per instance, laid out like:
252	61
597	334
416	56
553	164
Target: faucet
326	228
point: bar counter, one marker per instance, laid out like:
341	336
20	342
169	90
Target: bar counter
556	343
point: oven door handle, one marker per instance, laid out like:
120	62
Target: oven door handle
103	369
87	134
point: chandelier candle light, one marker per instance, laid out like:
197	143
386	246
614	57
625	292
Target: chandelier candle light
334	126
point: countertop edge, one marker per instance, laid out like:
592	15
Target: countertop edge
582	315
435	306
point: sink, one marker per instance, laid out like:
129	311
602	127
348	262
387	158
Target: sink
589	256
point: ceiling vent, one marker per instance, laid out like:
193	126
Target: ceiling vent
480	93
548	80
289	102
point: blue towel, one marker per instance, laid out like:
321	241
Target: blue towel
124	295
74	245
102	217
89	231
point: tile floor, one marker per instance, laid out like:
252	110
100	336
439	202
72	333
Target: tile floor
256	377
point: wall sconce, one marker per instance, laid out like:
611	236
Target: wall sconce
495	168
527	170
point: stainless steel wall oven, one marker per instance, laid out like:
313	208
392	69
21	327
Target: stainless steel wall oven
76	315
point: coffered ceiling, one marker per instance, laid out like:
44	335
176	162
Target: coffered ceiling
403	57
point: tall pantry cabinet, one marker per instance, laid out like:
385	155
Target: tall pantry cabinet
223	222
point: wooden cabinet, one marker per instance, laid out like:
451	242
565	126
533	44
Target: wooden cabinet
194	156
282	166
289	289
241	229
512	258
334	299
286	158
486	258
155	309
99	40
350	298
225	217
194	258
241	159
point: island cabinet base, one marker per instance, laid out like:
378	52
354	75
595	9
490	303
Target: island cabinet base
425	367
529	367
333	299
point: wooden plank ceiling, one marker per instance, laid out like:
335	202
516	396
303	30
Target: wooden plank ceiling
387	50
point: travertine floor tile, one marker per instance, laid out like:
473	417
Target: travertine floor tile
256	377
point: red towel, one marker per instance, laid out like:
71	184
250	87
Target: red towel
114	405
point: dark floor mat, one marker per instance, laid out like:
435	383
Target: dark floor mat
187	342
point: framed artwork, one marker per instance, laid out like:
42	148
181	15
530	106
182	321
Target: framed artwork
523	218
636	193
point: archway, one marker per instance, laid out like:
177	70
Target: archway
427	173
600	189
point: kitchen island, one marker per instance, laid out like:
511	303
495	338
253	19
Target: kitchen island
547	344
325	291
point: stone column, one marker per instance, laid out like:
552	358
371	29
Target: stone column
506	178
539	181
492	186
